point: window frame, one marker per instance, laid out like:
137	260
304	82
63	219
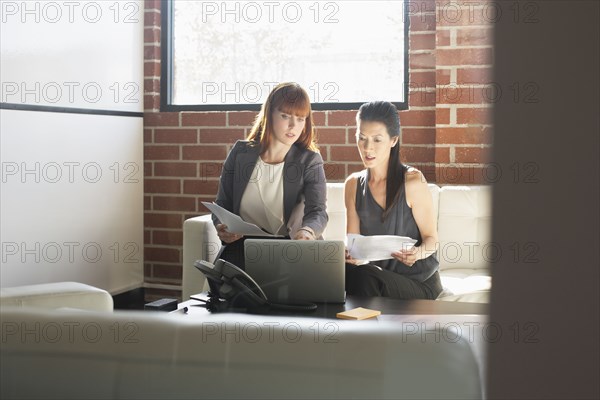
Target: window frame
166	74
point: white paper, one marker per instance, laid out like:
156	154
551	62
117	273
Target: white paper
235	224
377	247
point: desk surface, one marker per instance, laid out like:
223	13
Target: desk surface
386	305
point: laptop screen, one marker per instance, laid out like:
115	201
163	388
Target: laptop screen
297	270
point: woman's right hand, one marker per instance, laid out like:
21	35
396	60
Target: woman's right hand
225	235
351	260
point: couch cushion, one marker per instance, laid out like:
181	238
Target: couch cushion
482	296
464	280
336	209
435	196
464	224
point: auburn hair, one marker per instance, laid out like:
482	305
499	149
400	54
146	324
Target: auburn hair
289	98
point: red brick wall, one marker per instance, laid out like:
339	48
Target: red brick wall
446	131
464	57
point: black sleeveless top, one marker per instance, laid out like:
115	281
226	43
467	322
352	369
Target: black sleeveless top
399	222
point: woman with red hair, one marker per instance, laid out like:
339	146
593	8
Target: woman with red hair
275	179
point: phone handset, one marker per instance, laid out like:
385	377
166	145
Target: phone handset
236	286
231	283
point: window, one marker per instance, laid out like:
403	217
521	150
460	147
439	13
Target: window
228	55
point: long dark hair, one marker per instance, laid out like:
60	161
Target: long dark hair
387	113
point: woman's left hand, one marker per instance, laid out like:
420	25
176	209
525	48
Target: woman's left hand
407	257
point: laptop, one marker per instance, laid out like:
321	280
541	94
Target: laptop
291	271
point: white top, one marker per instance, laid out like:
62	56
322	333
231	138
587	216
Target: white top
262	201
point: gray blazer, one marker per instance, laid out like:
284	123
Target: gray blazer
303	182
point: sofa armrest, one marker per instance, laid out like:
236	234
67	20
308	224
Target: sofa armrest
200	242
57	295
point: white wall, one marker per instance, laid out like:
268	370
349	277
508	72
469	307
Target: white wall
71	199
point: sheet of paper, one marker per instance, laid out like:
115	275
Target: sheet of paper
235	224
377	247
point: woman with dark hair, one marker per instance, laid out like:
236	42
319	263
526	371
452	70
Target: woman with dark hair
275	179
389	198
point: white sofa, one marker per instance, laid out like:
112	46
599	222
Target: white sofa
71	353
464	227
